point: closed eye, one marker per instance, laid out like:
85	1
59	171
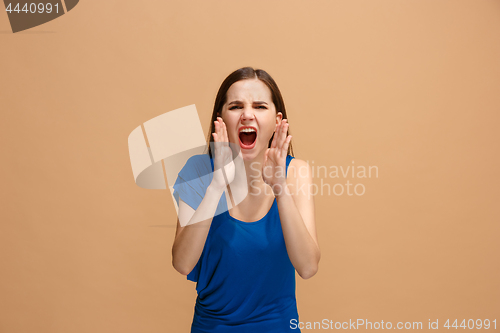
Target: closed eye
239	107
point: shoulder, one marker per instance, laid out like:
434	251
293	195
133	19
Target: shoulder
299	169
197	163
197	160
296	164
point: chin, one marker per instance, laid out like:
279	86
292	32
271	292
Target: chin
250	154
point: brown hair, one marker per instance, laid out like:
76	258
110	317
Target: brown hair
244	74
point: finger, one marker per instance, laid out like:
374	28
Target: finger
282	135
217	137
285	131
216	130
214	134
220	132
286	145
219	127
266	155
226	139
276	131
223	128
223	131
220	137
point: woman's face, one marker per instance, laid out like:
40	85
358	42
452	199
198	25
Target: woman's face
250	116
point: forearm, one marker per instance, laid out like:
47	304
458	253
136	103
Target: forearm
302	250
188	244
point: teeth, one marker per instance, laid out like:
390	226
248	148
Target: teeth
247	130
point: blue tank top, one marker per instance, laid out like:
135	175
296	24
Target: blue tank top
244	278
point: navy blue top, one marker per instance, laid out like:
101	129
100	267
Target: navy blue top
244	278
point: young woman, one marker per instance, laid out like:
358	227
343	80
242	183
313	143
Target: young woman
244	258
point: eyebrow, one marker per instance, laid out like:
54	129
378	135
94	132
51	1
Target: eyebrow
240	102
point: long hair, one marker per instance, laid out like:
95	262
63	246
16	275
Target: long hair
244	74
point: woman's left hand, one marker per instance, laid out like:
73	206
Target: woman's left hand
274	167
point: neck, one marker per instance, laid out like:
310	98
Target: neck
253	168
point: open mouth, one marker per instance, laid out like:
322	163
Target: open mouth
248	137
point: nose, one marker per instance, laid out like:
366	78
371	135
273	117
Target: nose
247	113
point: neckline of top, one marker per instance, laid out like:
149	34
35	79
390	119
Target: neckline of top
289	159
252	222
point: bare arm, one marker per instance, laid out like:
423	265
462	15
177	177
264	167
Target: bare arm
296	210
190	240
296	207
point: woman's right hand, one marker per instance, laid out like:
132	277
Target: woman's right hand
223	157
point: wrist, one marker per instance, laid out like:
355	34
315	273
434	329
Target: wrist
280	190
214	189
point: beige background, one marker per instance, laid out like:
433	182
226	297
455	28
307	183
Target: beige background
412	87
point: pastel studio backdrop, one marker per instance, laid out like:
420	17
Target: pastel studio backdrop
411	87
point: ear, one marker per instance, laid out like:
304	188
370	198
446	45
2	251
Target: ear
279	116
